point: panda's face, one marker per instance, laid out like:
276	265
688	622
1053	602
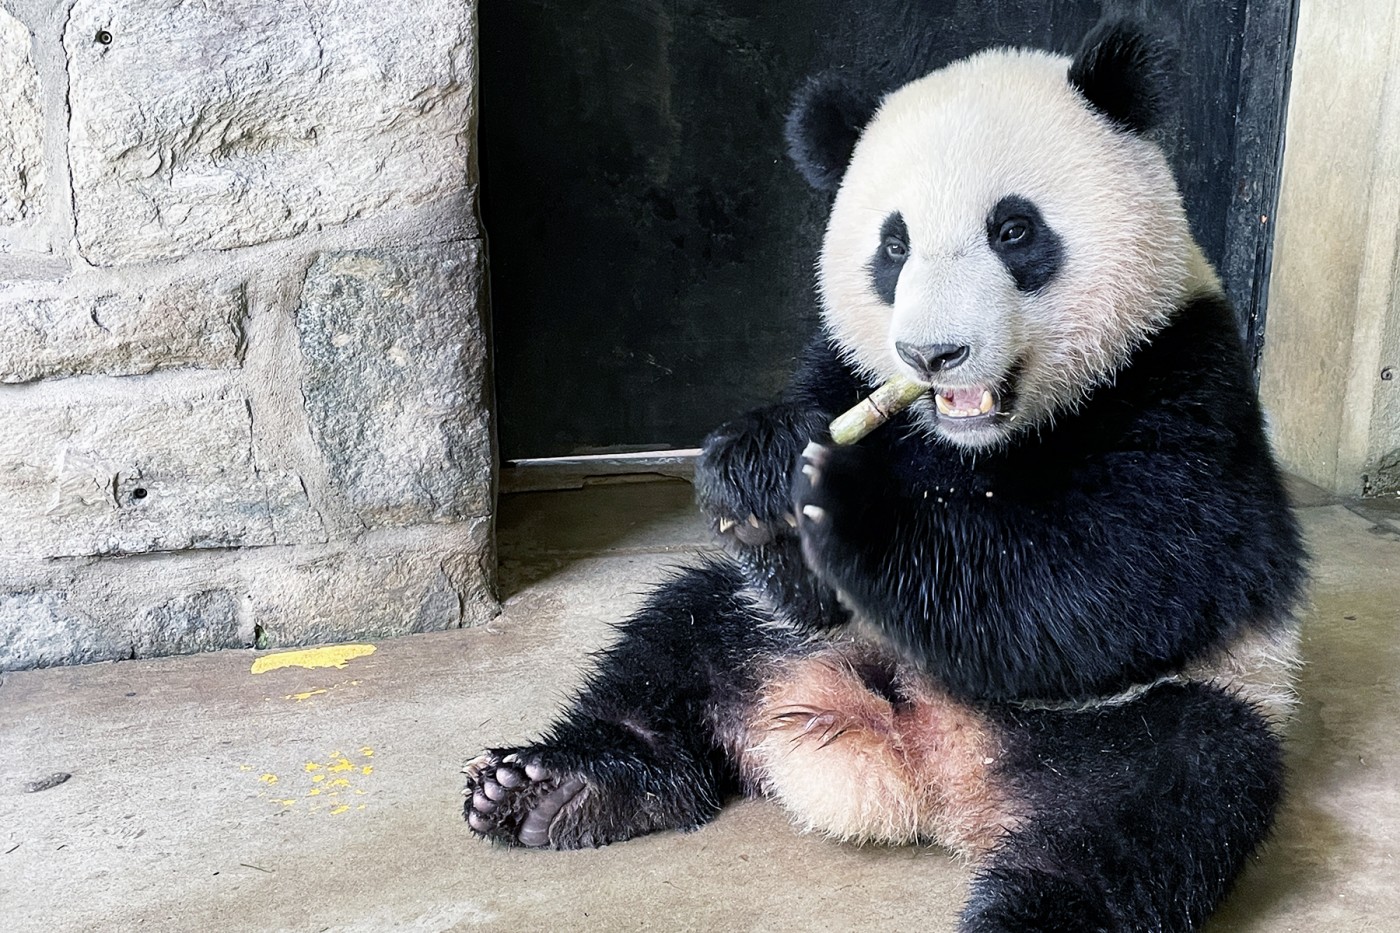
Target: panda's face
996	237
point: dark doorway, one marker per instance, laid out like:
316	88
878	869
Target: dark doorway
652	250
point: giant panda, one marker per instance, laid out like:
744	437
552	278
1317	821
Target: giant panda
1045	617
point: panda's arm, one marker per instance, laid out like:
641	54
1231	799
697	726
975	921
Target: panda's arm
1142	561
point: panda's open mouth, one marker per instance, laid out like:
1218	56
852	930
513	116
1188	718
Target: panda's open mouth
969	403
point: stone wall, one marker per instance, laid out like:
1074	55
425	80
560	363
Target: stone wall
244	388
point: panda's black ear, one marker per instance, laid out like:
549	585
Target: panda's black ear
827	116
1125	72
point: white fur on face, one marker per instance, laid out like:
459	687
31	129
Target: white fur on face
942	151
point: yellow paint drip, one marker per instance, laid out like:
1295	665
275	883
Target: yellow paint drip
318	691
331	780
329	656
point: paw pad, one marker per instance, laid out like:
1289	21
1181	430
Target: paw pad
515	801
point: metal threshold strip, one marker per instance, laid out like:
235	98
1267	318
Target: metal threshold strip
546	473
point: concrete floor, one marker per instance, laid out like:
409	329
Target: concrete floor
204	796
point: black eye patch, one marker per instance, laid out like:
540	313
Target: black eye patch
1026	245
889	256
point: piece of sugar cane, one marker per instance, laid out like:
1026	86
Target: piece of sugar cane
880	406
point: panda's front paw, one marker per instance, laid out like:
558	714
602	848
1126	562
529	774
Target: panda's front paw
741	478
835	491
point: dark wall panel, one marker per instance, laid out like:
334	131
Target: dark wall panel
651	249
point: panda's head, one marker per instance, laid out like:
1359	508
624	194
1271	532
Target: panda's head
1003	228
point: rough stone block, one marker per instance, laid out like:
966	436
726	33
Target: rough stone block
216	125
385	584
187	623
114	478
395	376
21	125
79	617
58	330
41	628
439	583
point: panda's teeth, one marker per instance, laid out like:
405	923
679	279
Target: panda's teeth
945	406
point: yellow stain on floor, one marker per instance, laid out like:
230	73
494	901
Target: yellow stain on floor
328	656
318	691
321	792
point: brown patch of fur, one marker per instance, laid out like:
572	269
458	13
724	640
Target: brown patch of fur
848	761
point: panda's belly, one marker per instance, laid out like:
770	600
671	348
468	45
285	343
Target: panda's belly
857	747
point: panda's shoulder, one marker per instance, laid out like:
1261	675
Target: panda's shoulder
1193	375
1202	339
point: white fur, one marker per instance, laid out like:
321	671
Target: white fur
943	150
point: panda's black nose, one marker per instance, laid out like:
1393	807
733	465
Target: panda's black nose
932	359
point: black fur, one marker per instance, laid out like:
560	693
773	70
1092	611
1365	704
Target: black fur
1137	534
1147	812
1029	248
827	117
1125	73
889	257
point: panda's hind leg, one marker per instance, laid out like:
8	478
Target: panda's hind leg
644	746
1137	817
588	784
859	747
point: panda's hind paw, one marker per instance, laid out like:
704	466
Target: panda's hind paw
516	799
